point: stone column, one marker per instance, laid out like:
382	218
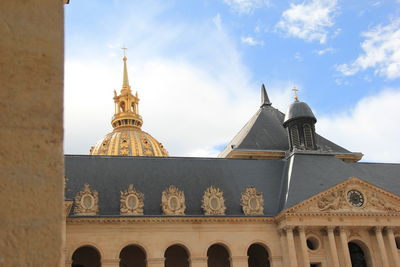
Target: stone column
291	247
155	262
304	249
332	245
198	262
393	247
381	245
239	261
345	247
110	262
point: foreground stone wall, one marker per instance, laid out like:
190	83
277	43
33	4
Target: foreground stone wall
31	132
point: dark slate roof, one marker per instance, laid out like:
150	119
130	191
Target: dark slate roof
265	131
284	183
110	175
312	173
298	110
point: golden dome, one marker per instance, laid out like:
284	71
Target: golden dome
129	142
128	139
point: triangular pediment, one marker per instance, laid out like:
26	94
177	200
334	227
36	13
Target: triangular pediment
354	195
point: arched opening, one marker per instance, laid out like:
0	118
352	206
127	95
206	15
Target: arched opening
218	256
132	256
86	256
122	106
295	138
357	255
258	256
308	138
176	256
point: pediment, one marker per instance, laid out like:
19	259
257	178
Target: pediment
353	195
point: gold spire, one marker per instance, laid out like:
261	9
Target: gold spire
125	83
295	90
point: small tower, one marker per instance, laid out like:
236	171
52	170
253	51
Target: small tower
126	105
300	125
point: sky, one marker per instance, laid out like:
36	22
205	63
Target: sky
198	67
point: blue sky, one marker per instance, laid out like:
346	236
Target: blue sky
198	66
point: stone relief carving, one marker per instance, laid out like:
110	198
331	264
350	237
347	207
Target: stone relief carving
252	202
213	201
378	202
333	201
86	202
131	202
173	201
354	195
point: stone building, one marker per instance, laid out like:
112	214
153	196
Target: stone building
278	195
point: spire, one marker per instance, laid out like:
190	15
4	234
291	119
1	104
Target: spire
125	83
264	97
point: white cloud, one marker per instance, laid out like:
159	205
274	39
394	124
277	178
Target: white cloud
381	52
370	127
310	20
192	101
324	51
246	6
251	41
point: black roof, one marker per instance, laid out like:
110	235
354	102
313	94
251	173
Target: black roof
265	131
282	187
298	110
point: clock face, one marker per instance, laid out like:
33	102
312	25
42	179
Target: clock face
355	198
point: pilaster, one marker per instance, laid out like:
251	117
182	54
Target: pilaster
393	247
110	262
332	246
381	245
345	247
155	262
303	244
291	247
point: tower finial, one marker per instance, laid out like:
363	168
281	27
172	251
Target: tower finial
125	83
264	97
295	90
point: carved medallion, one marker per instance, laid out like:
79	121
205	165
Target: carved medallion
86	202
173	201
252	202
131	202
213	201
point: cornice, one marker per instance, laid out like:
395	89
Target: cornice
182	219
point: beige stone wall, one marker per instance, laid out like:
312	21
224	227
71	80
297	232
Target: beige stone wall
155	238
284	242
31	132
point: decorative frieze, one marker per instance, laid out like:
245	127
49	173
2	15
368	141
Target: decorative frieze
86	202
131	202
252	202
173	201
213	202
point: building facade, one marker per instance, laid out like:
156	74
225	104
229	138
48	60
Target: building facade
278	195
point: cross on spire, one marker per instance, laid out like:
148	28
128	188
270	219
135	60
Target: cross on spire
295	90
124	48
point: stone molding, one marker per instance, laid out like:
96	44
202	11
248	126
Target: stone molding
163	219
86	202
334	200
173	201
131	201
252	202
213	202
